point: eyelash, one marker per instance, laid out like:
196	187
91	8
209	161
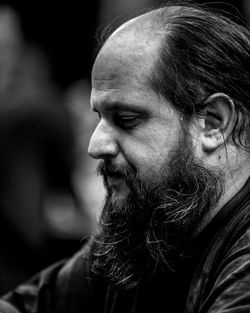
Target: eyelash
126	121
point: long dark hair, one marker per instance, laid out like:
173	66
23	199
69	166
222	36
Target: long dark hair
202	52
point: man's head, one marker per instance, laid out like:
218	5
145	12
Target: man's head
171	90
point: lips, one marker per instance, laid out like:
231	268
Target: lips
118	186
115	182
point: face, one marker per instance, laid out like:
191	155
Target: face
136	126
149	232
157	191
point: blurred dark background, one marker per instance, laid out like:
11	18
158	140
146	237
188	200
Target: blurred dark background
65	30
50	196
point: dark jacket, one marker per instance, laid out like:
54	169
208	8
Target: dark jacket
217	279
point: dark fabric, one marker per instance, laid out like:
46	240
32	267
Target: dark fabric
216	279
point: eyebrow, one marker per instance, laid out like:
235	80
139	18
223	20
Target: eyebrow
115	106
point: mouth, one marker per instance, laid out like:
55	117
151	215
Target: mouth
118	186
115	182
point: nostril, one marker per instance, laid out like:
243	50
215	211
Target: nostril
102	149
93	151
103	143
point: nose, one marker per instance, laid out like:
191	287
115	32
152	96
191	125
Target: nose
102	143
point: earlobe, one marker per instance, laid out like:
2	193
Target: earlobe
219	120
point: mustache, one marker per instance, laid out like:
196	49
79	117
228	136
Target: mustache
126	173
107	169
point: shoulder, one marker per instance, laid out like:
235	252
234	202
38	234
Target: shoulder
53	289
222	280
231	281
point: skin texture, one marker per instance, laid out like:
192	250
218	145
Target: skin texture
166	176
138	127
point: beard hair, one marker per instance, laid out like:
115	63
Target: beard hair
151	231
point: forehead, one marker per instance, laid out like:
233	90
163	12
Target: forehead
118	79
125	57
124	63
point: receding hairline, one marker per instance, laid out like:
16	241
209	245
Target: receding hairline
104	33
153	18
162	12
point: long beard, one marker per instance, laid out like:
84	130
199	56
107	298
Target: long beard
152	229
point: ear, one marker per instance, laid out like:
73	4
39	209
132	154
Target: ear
217	121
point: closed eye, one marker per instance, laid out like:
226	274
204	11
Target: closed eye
126	120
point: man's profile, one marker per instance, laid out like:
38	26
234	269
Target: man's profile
171	88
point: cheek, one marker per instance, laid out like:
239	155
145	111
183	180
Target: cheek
160	144
147	159
148	148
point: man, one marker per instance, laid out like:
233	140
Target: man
171	88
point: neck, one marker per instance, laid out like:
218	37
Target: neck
235	179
